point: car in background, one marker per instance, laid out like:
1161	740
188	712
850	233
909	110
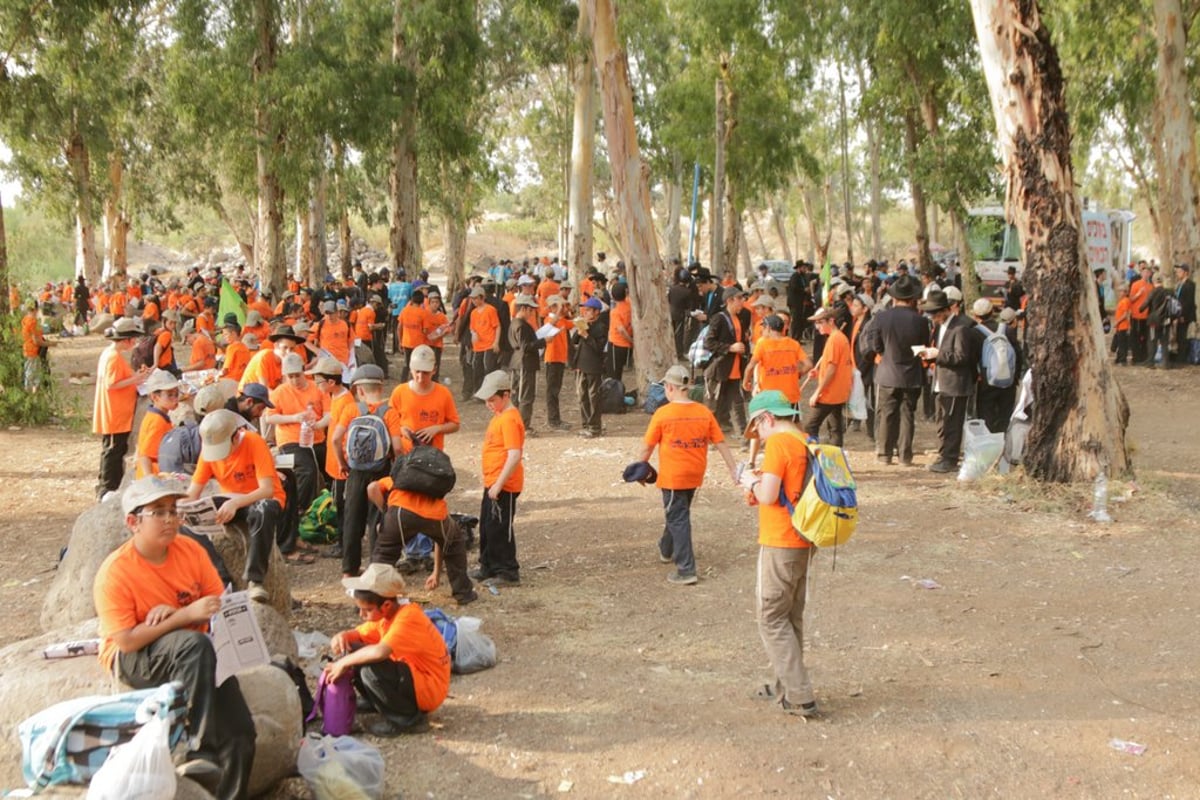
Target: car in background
778	269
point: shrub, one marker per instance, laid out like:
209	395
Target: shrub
17	406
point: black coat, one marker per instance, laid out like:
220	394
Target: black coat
587	352
719	339
892	334
1186	292
957	364
522	338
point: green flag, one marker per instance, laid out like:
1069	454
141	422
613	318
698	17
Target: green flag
825	280
230	303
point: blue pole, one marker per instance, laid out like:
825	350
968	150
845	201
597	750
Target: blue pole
692	227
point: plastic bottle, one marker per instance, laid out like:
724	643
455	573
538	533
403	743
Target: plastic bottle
306	430
1100	499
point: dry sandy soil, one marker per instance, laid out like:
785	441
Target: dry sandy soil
1049	636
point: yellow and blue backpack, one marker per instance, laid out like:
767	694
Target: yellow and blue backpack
826	513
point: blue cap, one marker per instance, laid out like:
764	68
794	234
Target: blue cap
641	472
592	302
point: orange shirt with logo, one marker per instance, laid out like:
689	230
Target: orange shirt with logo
290	400
419	411
413	323
682	431
415	641
114	408
239	472
485	324
363	321
433	321
557	347
333	467
785	455
504	432
836	356
237	358
779	366
333	336
621	316
420	504
127	586
155	425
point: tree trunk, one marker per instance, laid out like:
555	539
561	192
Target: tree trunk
455	234
222	213
744	253
86	262
758	234
1176	142
875	166
1080	414
303	271
268	232
116	224
4	305
583	145
341	205
673	231
920	215
318	249
733	234
404	233
845	142
780	227
972	287
653	343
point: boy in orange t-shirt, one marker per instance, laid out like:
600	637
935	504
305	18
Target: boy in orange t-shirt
116	402
163	388
400	662
557	349
503	479
682	430
1122	323
835	377
620	331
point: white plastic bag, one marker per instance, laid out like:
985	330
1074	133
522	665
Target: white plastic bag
858	398
981	450
140	769
475	650
341	768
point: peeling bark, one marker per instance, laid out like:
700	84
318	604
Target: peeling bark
581	212
1176	141
404	230
79	164
116	224
268	232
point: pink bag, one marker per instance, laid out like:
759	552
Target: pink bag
335	703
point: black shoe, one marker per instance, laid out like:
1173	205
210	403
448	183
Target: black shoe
363	706
882	459
386	727
504	579
942	466
479	574
808	710
466	599
559	426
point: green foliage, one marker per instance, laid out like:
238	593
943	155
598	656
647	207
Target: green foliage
17	406
40	247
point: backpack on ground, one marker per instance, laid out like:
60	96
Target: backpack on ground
612	396
143	353
826	513
319	523
698	355
70	741
656	397
368	441
999	361
424	470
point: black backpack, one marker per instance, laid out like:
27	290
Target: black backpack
143	353
612	396
424	470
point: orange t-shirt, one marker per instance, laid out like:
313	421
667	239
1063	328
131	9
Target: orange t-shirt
587	288
413	323
836	356
347	413
779	366
239	472
334	338
433	321
151	312
735	371
785	455
363	321
237	358
622	315
1122	315
113	410
415	641
116	304
205	322
265	368
166	340
557	346
155	425
682	431
420	504
505	432
262	307
290	400
544	290
262	331
1139	299
485	324
204	352
333	467
31	335
127	586
420	411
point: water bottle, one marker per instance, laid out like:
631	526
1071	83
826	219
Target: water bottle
306	430
1100	499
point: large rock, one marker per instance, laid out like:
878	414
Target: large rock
275	705
101	529
184	790
277	633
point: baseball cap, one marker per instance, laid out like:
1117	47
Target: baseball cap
325	365
422	359
677	376
292	364
525	280
772	401
642	472
251	341
161	381
328	307
981	307
730	293
592	302
216	434
774	323
381	579
478	292
367	373
253	318
494	383
145	491
208	399
258	393
822	313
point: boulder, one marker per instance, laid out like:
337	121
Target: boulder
101	529
277	633
275	705
184	790
100	322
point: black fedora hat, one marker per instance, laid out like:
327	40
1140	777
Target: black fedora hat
905	287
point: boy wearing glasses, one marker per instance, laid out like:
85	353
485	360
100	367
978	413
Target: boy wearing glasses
154	595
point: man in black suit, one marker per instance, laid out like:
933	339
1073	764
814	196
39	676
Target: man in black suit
799	300
893	334
728	340
1185	292
588	341
956	359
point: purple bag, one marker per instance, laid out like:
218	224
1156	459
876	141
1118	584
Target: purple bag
335	704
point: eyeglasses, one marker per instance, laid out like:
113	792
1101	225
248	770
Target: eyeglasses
160	514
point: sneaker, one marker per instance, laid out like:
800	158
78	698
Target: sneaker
503	579
201	771
386	727
683	580
807	710
882	459
466	599
256	592
588	434
942	466
665	559
559	426
479	574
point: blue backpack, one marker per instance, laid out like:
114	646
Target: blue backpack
70	741
368	441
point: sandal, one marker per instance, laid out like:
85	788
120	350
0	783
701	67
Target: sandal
305	547
297	558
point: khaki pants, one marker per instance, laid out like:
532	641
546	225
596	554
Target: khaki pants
779	598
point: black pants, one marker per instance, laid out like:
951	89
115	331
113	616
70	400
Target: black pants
818	414
307	472
466	360
896	421
218	718
730	405
497	540
618	357
405	372
994	406
379	351
952	415
524	389
113	447
1120	346
357	517
486	362
401	525
261	519
679	328
288	532
554	380
587	384
1139	334
388	686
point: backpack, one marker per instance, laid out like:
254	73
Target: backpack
656	397
446	627
612	396
319	523
368	441
999	361
70	741
424	470
335	703
143	353
179	450
826	513
698	355
1173	308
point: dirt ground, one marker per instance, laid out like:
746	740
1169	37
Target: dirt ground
1048	636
